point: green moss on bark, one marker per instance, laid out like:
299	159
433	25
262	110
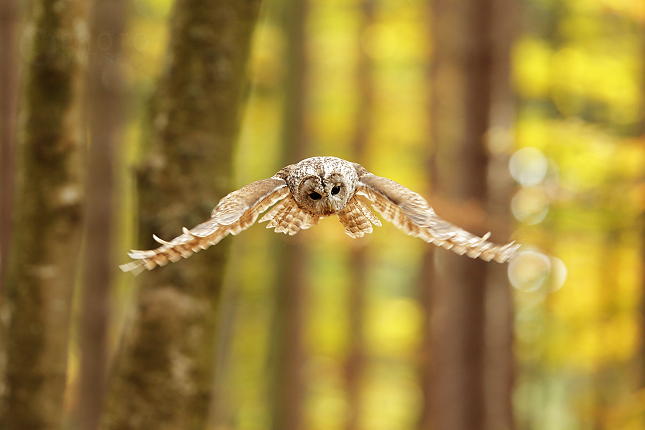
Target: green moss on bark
164	373
47	219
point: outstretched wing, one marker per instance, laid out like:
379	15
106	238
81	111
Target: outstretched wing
411	213
234	213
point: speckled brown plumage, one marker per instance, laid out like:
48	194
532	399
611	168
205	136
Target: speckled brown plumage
315	188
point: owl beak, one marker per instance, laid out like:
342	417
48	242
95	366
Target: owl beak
329	206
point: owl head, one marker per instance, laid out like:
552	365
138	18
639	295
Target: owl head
324	195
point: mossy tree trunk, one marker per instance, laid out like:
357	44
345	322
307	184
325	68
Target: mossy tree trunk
9	18
163	375
47	217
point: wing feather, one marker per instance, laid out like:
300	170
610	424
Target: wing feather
234	213
287	217
411	213
357	218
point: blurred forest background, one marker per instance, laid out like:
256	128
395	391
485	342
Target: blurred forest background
126	118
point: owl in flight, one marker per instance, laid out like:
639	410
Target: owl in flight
312	189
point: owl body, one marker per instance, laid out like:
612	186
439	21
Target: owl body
303	193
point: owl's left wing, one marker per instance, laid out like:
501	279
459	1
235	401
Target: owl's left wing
234	213
411	213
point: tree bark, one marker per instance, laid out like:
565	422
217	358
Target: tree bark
48	218
9	70
500	317
105	114
355	362
8	100
291	260
163	375
461	91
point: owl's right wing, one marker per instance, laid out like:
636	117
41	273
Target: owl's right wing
234	213
411	213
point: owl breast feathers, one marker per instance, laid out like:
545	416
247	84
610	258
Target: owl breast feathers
303	193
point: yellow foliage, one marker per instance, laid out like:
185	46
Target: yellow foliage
391	399
533	131
531	65
392	327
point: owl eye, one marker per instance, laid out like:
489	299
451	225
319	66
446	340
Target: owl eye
335	190
314	196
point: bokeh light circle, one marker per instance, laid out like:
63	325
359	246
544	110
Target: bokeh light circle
528	166
533	270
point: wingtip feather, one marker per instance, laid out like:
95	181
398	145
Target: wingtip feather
134	267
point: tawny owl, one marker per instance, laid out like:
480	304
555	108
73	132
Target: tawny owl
313	189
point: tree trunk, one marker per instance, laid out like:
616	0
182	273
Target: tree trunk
105	112
461	102
8	99
355	361
500	358
163	376
9	18
48	218
291	285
